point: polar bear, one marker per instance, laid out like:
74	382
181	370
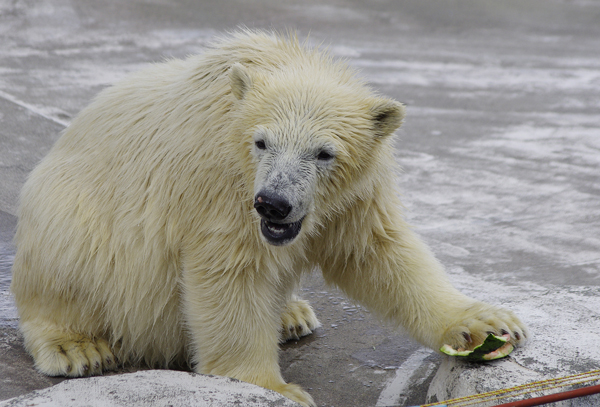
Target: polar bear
171	222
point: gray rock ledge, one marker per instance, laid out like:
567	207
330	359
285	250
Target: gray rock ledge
152	388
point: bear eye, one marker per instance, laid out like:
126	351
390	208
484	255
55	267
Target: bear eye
260	144
324	155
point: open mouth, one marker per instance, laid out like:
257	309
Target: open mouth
279	234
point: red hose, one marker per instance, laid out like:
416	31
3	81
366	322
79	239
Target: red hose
538	401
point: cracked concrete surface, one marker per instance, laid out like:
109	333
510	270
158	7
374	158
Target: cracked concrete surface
500	154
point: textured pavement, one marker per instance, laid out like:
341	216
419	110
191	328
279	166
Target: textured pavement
500	154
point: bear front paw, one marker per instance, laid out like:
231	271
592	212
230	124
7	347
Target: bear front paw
473	324
75	357
297	320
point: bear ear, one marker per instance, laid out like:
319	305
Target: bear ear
387	116
240	80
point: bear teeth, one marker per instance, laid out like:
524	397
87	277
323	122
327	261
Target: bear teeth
277	229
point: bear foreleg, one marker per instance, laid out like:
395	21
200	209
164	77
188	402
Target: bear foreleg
400	280
234	320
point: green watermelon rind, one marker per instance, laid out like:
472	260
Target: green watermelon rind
478	354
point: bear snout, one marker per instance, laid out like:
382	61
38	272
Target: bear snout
275	226
272	207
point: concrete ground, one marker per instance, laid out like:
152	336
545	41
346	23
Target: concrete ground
500	151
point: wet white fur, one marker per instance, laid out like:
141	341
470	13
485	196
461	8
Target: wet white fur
137	234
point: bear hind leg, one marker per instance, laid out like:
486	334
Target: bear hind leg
57	352
298	319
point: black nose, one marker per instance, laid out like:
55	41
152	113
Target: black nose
272	207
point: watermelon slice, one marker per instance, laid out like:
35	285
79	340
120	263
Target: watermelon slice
494	347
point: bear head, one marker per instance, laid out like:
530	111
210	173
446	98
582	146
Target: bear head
318	140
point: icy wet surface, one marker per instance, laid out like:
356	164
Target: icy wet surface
8	312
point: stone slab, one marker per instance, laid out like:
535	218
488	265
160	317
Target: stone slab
152	388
